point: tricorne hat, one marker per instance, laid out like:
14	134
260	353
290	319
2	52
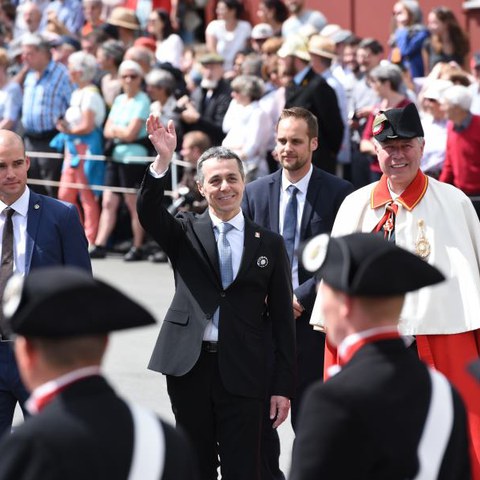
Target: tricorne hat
56	302
402	123
124	17
364	264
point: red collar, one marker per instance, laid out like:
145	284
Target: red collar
409	198
352	349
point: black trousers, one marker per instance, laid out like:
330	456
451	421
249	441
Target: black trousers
219	424
43	168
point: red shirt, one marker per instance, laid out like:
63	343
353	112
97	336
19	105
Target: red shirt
462	160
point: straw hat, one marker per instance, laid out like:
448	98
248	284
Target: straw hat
124	17
322	46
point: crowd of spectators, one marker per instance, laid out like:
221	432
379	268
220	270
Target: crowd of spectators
81	78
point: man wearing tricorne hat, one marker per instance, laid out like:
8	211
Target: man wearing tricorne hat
384	414
80	428
437	222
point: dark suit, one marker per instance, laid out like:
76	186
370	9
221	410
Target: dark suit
316	95
366	422
86	432
54	236
262	284
211	111
261	203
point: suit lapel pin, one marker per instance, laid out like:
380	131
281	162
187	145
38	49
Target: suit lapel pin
262	261
257	234
36	206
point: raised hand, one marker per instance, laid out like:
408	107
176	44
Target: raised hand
163	139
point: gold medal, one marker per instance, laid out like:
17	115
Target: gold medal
422	245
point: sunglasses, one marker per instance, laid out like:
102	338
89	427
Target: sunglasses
132	76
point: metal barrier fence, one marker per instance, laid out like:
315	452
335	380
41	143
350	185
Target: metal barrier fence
176	162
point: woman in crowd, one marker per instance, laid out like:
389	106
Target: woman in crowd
10	95
448	42
273	12
169	44
125	127
247	126
109	57
387	81
434	123
81	132
408	37
228	35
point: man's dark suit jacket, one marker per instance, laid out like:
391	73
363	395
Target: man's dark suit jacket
211	111
261	284
366	421
86	432
316	95
55	235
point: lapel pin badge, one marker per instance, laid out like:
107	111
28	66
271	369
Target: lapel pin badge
257	234
262	261
36	206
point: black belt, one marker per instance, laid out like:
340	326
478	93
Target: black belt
210	347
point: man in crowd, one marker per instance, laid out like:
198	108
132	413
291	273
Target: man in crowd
384	414
46	97
36	231
362	101
209	101
80	428
462	166
438	223
316	197
311	91
229	274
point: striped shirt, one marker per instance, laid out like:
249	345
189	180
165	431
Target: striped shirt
45	99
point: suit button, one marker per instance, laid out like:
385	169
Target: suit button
208	316
223	294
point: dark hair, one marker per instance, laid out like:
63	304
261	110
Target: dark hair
371	44
219	153
302	114
233	5
279	8
458	36
164	16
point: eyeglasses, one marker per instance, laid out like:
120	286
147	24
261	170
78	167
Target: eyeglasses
131	76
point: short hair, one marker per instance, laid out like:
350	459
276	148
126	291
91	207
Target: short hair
302	114
388	72
130	65
371	44
198	140
249	85
161	79
113	49
218	153
71	352
233	5
85	63
458	96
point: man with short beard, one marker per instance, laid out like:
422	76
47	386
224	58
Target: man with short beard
209	102
318	197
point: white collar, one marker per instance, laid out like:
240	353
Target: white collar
302	184
238	221
20	205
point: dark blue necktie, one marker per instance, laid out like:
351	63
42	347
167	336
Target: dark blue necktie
225	258
290	222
